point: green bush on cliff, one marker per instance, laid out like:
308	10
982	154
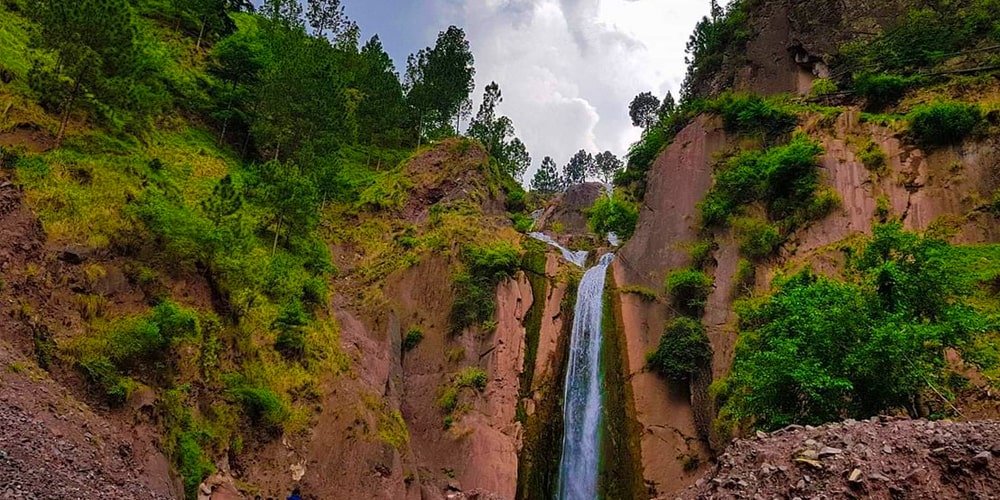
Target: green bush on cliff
689	290
475	286
613	214
822	349
753	114
942	123
683	350
758	239
882	89
785	178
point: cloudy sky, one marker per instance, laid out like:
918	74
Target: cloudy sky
567	68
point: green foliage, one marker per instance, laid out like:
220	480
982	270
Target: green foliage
645	293
880	90
683	350
260	404
724	31
941	123
784	177
689	290
522	223
133	345
472	377
752	114
439	79
758	239
448	399
497	135
701	253
547	180
745	278
925	36
821	349
823	87
613	214
475	287
412	338
872	156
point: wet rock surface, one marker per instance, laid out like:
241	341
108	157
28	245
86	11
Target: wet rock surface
881	458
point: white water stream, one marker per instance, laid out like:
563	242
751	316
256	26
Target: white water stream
582	406
579	257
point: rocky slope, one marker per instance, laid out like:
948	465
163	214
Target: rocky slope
880	458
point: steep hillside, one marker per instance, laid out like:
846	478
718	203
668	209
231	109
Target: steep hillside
757	201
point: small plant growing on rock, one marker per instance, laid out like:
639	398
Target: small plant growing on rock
472	377
872	156
823	87
412	338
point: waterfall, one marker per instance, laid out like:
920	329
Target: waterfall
582	406
579	258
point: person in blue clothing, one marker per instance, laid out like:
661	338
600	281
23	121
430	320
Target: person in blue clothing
296	495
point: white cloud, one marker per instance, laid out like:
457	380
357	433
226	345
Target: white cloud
568	68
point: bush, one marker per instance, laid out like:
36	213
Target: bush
412	338
472	377
701	253
758	239
683	350
822	349
613	214
872	156
753	114
689	289
942	123
785	177
192	463
474	287
822	87
522	223
882	89
260	404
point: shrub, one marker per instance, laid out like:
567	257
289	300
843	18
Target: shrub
942	123
613	214
872	156
758	239
493	263
522	223
689	289
472	377
753	114
745	278
260	404
448	399
701	253
822	87
474	287
822	349
684	348
882	89
412	338
786	177
193	464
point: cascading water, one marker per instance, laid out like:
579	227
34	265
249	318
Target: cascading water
582	407
579	257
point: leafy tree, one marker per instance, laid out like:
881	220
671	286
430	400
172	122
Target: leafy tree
287	13
644	110
547	179
578	167
606	165
96	54
497	134
327	18
821	349
382	111
210	18
613	214
439	79
668	107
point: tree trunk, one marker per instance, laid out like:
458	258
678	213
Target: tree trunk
67	109
277	231
201	34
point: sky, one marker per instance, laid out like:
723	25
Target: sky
567	68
